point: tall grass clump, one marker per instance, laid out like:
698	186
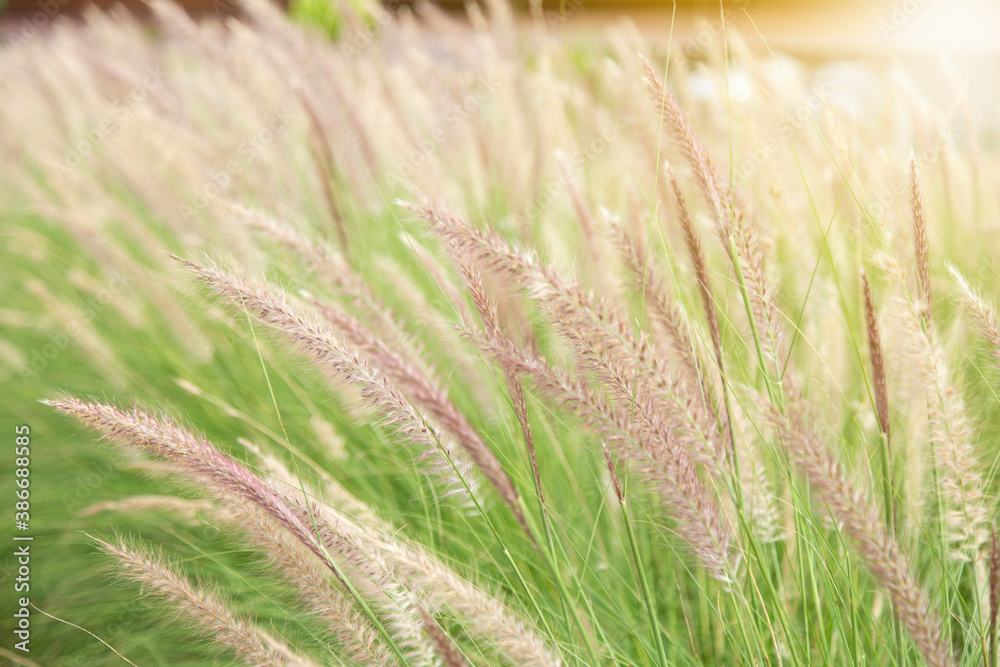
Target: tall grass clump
452	342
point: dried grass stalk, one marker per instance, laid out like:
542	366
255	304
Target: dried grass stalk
492	329
641	434
208	612
356	638
954	455
861	523
983	314
880	388
698	261
921	246
598	329
737	230
386	394
446	649
435	584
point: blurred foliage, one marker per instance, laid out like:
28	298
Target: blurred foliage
324	14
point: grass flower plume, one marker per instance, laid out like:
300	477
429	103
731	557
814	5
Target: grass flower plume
427	341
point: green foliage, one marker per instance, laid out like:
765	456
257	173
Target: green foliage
324	14
94	308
